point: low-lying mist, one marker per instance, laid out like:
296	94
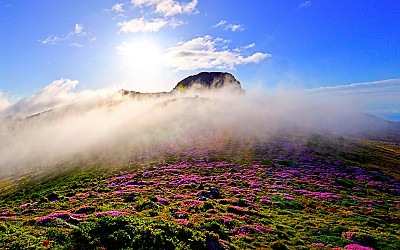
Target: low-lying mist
116	126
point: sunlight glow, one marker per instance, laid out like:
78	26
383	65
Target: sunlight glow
143	55
141	62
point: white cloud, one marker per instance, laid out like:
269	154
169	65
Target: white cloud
78	28
51	40
234	27
56	94
251	45
222	22
306	4
55	39
77	45
379	97
376	87
255	58
168	7
229	26
4	102
206	53
118	7
142	25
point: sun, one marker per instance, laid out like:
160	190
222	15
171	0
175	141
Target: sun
141	54
141	64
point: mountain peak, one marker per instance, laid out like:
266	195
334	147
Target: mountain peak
209	80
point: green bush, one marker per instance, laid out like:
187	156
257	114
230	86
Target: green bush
287	163
3	227
123	232
146	205
215	227
57	235
334	240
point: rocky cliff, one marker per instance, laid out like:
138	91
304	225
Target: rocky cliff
209	80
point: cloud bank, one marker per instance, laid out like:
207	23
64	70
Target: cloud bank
365	88
55	95
104	125
4	102
206	53
167	8
378	97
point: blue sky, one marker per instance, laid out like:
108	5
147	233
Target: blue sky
149	45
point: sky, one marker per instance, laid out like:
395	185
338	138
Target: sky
335	50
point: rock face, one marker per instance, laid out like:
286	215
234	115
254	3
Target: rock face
209	80
201	81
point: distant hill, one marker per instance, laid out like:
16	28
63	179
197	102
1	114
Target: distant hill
373	127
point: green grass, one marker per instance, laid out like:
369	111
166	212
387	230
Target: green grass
287	192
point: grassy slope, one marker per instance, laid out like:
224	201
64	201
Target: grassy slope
287	192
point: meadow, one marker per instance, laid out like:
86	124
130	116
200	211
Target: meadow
288	191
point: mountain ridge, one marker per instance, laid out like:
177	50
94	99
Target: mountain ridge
200	81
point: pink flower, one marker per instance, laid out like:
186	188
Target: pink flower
43	220
28	205
357	247
265	200
317	244
348	235
226	219
110	213
253	185
163	201
183	222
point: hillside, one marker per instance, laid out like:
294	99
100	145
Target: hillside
286	192
207	171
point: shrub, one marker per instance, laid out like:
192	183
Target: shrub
56	235
146	205
122	232
278	246
3	227
287	163
208	205
215	227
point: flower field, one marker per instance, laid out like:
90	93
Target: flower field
222	192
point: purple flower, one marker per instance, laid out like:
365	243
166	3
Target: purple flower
43	220
183	222
60	215
348	235
265	200
246	229
163	201
28	205
357	247
254	185
110	213
314	244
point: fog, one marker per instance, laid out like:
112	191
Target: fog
105	124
